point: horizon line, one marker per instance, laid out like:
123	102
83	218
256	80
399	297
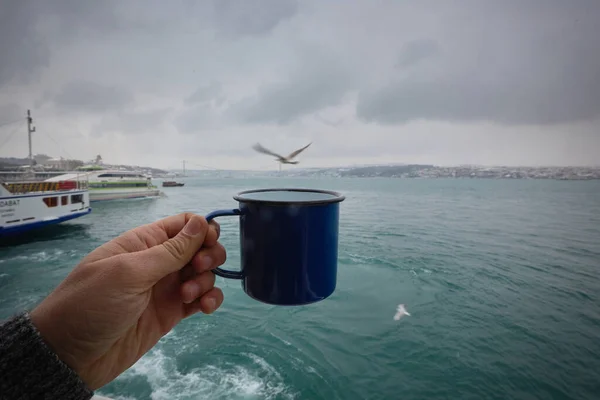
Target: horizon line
390	165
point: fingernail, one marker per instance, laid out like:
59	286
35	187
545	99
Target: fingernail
211	303
207	262
193	227
193	289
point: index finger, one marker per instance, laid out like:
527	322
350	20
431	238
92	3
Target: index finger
147	236
172	225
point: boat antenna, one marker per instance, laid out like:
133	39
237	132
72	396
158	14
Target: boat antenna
30	130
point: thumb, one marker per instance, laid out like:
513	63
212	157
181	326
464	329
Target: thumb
172	255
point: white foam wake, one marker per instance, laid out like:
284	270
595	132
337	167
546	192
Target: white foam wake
227	381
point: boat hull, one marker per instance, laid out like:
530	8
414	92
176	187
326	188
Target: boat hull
17	230
22	212
124	193
172	184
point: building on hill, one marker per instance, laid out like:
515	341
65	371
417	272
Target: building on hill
41	159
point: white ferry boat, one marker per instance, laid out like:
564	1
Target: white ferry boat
113	184
31	205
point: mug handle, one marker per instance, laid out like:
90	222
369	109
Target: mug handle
224	213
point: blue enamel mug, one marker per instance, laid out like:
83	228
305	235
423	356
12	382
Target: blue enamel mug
289	244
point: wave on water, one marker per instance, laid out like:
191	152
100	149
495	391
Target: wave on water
366	260
44	256
215	381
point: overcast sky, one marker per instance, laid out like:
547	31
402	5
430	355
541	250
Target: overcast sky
443	82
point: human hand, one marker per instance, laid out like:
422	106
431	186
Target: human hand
128	293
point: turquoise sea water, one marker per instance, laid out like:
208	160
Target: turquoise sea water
501	278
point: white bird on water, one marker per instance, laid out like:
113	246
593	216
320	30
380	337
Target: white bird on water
282	160
400	312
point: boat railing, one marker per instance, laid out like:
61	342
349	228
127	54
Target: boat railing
30	187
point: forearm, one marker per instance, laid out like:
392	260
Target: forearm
29	369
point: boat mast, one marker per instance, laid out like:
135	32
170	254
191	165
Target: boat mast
30	130
183	167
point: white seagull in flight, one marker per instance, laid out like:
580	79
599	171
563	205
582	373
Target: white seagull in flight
400	312
279	157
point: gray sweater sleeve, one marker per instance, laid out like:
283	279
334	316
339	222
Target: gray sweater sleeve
29	369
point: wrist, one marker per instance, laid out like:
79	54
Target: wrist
45	324
31	369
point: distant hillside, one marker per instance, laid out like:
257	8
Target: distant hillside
13	162
432	171
386	171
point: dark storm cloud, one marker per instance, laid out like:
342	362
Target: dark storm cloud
515	64
523	98
133	123
415	51
510	62
77	16
319	80
30	28
91	97
23	52
284	102
252	17
206	93
11	112
197	119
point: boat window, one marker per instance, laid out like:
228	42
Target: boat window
118	184
76	198
121	175
64	200
51	201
